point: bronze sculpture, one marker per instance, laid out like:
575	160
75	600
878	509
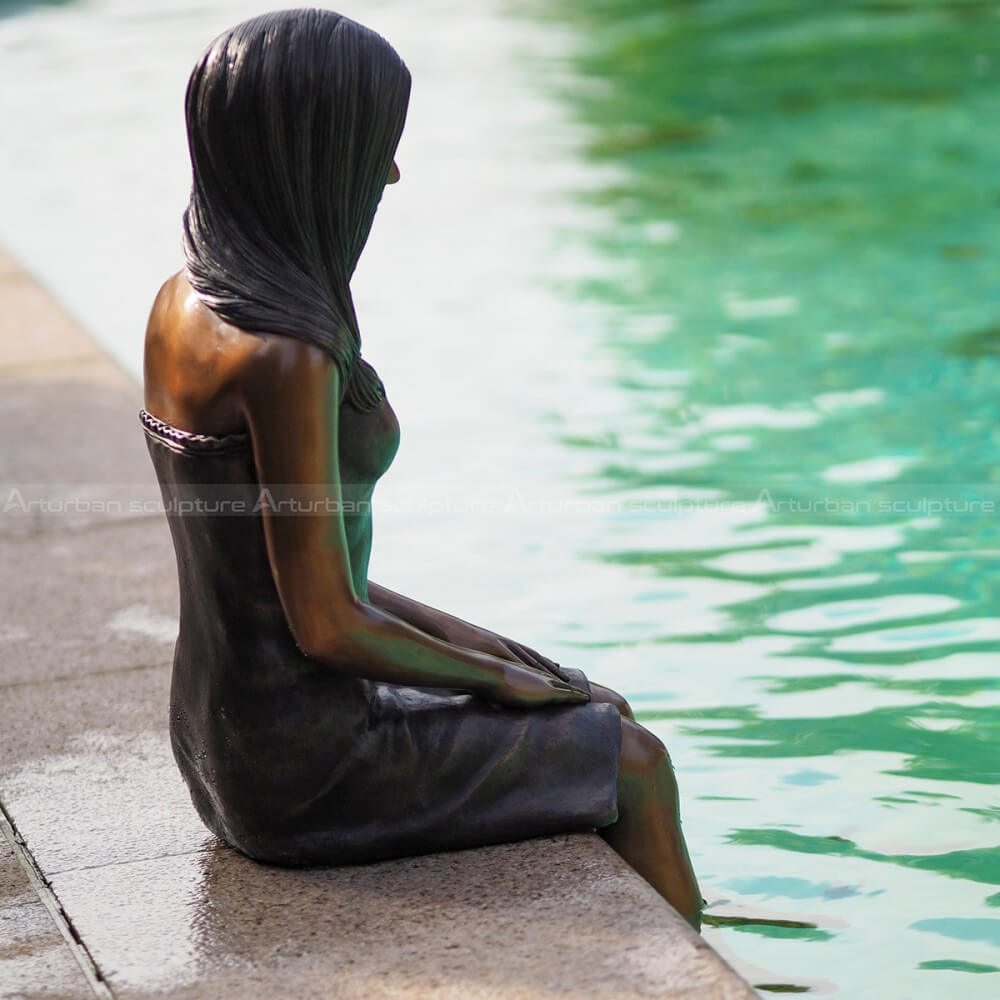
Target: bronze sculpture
316	717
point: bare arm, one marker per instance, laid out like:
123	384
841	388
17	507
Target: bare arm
421	616
290	394
456	631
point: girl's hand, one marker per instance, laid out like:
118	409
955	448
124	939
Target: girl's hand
473	637
525	687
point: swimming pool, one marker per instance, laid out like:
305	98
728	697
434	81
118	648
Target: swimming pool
691	318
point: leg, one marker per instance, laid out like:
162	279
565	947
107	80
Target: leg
647	833
599	693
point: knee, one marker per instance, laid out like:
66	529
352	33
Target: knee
646	772
624	708
643	754
605	694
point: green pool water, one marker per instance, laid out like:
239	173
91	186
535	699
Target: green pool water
792	254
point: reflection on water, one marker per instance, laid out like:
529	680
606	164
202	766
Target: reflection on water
791	255
690	314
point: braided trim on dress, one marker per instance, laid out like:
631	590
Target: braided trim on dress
181	440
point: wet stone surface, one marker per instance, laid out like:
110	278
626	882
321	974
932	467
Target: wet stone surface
545	918
35	960
87	602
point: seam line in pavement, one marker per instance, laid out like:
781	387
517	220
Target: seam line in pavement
161	665
51	903
207	849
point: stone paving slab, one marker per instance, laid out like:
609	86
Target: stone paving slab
52	628
35	960
71	447
33	329
554	917
86	623
64	421
87	772
9	267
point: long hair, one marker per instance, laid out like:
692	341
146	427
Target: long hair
293	119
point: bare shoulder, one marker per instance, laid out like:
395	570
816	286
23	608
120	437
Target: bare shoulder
288	383
181	323
204	374
162	307
196	364
275	359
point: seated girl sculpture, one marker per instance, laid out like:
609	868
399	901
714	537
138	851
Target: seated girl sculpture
317	717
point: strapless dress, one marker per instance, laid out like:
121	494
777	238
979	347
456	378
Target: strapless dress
292	762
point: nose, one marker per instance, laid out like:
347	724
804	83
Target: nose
393	174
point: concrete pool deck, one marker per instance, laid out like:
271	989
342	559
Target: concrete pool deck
109	885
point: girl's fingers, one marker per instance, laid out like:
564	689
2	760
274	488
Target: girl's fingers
536	659
532	656
570	689
520	654
529	657
552	667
